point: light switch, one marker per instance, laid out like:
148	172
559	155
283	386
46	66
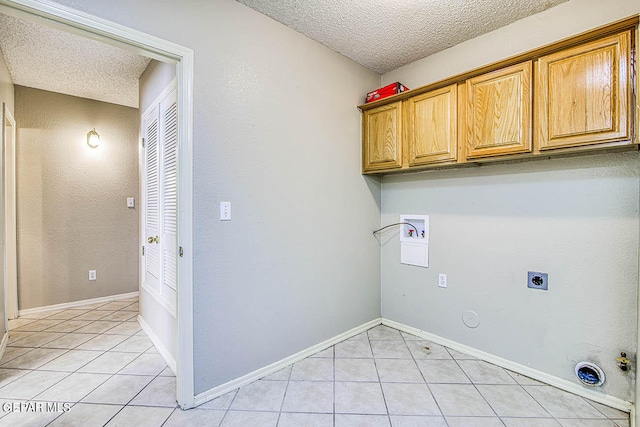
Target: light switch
225	211
131	202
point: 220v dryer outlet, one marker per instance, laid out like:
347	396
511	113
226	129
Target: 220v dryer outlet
537	280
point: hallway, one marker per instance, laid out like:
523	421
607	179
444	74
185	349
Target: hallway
94	357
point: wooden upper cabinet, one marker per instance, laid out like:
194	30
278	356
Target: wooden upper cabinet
571	97
583	94
498	112
431	126
382	138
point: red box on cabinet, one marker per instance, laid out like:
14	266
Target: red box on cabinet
386	91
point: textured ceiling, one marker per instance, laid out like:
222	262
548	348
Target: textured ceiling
383	35
49	59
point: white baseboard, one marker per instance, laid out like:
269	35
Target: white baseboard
166	355
76	303
560	383
3	344
276	366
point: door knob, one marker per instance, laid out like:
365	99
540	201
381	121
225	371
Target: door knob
151	239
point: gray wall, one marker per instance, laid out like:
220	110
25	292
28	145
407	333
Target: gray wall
576	219
6	85
71	199
153	81
7	97
276	133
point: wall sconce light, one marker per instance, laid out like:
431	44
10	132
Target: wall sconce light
93	139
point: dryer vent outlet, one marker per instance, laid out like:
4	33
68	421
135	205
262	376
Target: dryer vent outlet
590	374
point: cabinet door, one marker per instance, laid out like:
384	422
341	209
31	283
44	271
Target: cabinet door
382	138
432	126
499	112
583	94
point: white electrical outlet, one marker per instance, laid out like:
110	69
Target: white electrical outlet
92	275
131	202
225	211
442	280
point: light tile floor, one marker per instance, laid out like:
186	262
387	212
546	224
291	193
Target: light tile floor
97	360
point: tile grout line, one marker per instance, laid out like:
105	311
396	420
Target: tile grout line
141	390
380	379
476	388
284	396
536	400
177	408
114	415
15	379
425	380
102	352
375	364
110	375
605	415
57	382
30	350
67	350
458	363
226	412
540	403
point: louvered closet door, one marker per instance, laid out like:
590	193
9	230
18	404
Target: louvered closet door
158	294
168	186
152	200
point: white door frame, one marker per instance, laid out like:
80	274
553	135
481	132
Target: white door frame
9	199
83	24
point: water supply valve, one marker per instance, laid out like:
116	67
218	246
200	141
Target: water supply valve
414	240
623	363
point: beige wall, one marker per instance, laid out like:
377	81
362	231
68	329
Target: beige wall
576	219
276	133
72	214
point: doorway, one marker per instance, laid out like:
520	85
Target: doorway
114	34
